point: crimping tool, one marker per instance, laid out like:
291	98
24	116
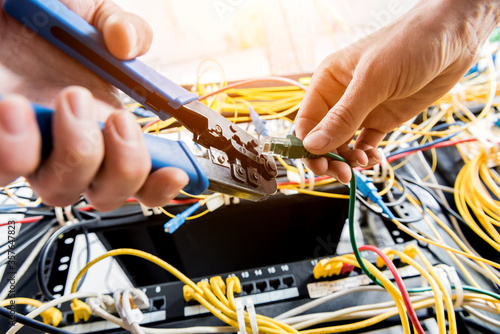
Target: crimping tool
235	164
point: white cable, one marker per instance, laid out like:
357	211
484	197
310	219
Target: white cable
302	174
132	317
445	281
69	214
350	312
394	136
99	311
453	220
381	170
60	215
252	316
388	148
52	303
29	260
482	316
311	177
240	317
481	304
455	280
119	308
438	187
322	300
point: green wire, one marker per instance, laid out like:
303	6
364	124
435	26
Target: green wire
293	148
465	287
352	208
352	235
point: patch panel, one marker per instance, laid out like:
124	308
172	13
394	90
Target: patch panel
268	286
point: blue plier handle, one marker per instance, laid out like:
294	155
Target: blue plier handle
235	164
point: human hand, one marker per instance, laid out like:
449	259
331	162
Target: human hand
387	78
108	166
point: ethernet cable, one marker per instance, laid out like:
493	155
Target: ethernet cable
48	305
401	286
292	147
206	292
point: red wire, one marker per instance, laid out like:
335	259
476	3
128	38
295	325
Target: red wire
438	145
257	80
29	220
399	281
316	179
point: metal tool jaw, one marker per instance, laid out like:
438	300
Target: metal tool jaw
235	164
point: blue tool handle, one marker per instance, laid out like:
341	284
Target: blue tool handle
75	36
163	152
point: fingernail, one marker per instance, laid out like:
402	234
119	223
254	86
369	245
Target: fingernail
317	140
13	121
360	164
79	103
132	37
125	126
375	160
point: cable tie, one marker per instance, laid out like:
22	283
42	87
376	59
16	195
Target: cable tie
457	283
240	317
69	215
312	178
289	192
146	211
252	315
381	173
443	276
60	216
293	176
214	201
302	174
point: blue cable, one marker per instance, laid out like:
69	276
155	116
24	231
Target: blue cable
434	142
173	224
258	122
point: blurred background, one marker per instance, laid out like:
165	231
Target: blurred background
252	38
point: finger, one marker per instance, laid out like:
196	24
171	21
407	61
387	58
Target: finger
342	121
162	186
339	170
126	35
77	152
317	166
367	141
354	157
20	148
126	165
336	169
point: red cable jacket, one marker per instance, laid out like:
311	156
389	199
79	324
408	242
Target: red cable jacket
399	281
26	220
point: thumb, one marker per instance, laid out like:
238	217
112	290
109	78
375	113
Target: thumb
341	122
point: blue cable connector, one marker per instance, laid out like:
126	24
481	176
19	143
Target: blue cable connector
366	187
173	224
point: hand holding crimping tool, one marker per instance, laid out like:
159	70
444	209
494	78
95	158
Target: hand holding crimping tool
235	164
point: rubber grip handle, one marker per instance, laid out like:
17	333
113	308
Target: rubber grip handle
163	152
72	34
